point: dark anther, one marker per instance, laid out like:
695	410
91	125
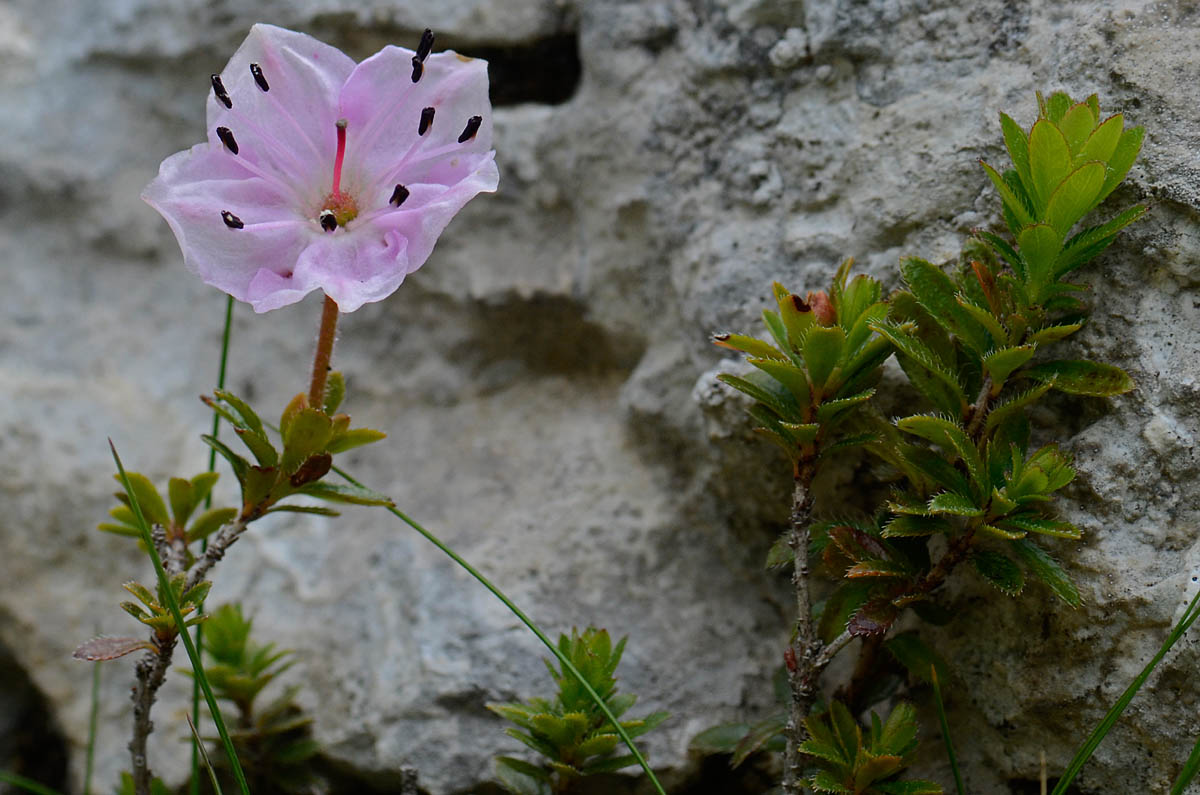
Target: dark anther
231	220
426	121
418	68
226	136
398	196
219	90
328	222
426	45
469	131
256	70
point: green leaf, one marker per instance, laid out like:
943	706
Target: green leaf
951	437
759	735
1017	144
1128	146
1054	333
825	781
1046	568
262	450
749	346
1082	377
142	593
952	504
1040	246
1006	251
899	734
789	375
119	529
999	570
183	501
1102	143
307	435
913	653
767	391
151	502
1000	364
1043	526
937	294
985	318
209	522
913	786
907	526
1090	242
831	410
313	509
335	391
1049	159
1012	203
337	492
721	739
1077	124
1075	197
248	419
356	437
877	568
518	780
778	332
1008	408
239	465
844	602
822	349
913	349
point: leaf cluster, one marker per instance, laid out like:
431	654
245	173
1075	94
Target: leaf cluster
273	741
824	363
153	611
569	730
181	522
309	438
850	762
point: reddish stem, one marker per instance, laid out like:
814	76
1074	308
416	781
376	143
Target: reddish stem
329	317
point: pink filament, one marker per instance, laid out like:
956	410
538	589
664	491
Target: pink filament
341	154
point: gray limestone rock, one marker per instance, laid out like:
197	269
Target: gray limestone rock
546	379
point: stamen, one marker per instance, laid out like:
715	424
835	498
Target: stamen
231	220
222	94
398	196
256	70
328	220
469	131
426	45
418	68
426	121
226	136
337	163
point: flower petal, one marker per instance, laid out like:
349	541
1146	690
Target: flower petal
290	129
191	191
384	105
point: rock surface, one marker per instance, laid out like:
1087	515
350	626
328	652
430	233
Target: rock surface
546	378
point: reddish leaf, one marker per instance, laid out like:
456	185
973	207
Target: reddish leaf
873	618
857	545
100	649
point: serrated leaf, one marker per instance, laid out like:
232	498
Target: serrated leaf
1082	377
141	592
936	293
750	346
999	570
907	526
1040	245
1000	364
790	376
844	602
1054	333
985	318
875	617
778	332
795	314
759	735
1128	146
1042	526
1090	242
1075	197
1001	532
909	348
874	768
307	435
1002	411
1012	203
597	745
1017	144
821	750
951	437
767	391
1006	252
1046	568
952	504
518	782
876	568
831	410
825	781
103	649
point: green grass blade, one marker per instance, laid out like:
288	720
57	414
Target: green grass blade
198	743
184	635
93	717
1190	767
27	784
941	711
1094	739
524	619
212	466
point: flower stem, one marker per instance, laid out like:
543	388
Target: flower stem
329	318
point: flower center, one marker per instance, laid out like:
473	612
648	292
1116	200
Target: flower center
338	208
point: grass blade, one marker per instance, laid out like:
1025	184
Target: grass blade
197	749
93	717
184	635
1190	767
524	619
941	711
1094	739
198	743
27	784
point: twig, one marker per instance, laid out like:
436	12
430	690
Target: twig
150	672
803	654
216	550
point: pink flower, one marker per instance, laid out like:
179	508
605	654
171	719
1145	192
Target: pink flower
320	173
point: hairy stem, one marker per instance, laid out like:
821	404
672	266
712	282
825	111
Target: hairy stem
150	672
804	655
329	318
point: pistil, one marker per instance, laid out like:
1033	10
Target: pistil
337	163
